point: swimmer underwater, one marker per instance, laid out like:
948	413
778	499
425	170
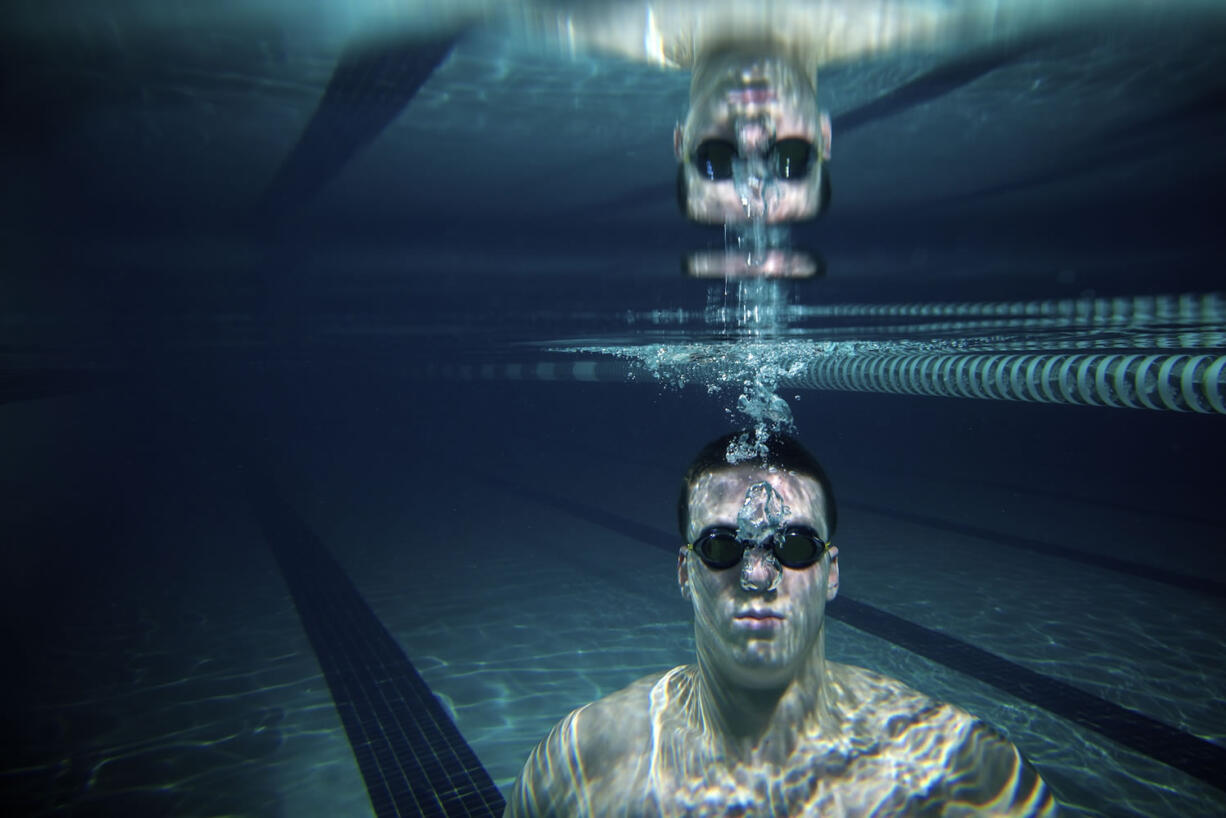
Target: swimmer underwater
762	724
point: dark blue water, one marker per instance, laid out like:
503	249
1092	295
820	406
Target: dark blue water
215	354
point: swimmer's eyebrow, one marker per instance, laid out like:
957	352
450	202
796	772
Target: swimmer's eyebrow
718	522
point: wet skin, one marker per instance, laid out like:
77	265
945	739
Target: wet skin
763	725
756	623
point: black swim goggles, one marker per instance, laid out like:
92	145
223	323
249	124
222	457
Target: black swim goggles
791	159
794	546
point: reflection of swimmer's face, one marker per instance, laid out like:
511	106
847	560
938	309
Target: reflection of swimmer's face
752	103
758	620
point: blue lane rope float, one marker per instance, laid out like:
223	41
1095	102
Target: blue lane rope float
1197	308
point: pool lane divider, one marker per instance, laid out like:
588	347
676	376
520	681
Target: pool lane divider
1193	755
411	755
1179	381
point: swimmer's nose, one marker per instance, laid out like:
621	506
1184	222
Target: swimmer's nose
753	137
759	571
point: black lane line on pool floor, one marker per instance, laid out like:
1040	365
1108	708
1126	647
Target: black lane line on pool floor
1183	751
1135	569
412	756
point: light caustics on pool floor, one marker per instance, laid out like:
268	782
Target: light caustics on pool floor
1162	352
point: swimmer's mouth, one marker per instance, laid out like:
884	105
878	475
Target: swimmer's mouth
759	615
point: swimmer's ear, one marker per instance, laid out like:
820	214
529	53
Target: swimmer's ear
823	123
683	573
832	576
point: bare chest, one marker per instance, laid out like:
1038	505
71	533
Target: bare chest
878	780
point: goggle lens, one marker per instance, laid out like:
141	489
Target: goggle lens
791	159
714	159
797	549
720	550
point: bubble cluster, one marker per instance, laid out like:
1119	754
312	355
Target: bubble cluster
747	369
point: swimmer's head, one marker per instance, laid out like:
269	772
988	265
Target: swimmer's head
754	143
757	565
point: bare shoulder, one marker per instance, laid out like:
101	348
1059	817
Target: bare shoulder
586	753
976	768
617	725
672	33
885	706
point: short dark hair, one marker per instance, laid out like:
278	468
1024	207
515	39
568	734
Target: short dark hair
781	451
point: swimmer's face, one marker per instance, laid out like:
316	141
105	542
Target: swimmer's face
758	621
752	102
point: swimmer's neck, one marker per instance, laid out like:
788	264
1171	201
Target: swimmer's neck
765	725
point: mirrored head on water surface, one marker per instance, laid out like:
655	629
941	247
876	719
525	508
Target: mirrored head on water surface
754	143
